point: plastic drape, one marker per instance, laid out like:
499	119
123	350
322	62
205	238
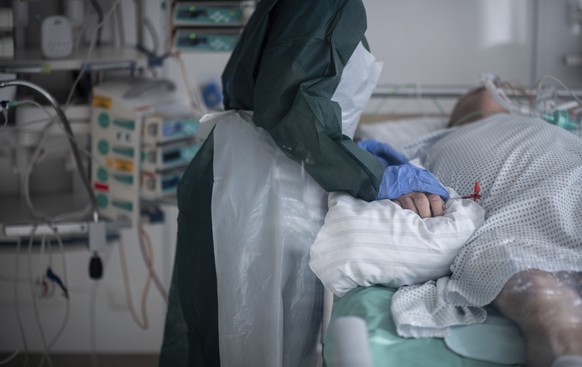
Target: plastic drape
266	212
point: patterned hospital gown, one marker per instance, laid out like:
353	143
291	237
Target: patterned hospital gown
530	173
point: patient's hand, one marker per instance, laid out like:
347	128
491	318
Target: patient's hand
425	205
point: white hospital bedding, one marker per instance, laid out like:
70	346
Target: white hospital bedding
368	243
531	176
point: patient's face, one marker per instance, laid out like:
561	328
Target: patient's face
475	105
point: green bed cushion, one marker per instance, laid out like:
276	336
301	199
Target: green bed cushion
388	349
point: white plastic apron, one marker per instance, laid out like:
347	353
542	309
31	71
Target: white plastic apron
266	213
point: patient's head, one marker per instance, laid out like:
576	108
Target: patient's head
474	105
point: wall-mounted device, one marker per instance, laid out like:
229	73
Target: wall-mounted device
56	37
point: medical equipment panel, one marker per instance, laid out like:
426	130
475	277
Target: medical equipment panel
208	13
136	139
159	129
158	158
206	39
159	185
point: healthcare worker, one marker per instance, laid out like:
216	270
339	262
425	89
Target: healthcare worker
286	69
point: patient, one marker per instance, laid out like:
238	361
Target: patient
546	305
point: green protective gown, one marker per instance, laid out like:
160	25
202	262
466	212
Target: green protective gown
285	68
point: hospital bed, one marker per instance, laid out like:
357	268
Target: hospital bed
373	304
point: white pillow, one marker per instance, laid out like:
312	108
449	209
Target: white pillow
366	243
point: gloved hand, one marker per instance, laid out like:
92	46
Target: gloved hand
400	177
406	178
387	155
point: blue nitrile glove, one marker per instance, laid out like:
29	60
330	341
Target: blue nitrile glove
406	178
387	155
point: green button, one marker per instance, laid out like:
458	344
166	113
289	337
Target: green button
103	147
103	120
102	174
102	201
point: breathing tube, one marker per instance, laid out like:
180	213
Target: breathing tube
559	116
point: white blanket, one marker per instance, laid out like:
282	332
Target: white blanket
531	176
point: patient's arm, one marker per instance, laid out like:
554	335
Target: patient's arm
425	205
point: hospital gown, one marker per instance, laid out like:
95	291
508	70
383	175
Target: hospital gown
530	173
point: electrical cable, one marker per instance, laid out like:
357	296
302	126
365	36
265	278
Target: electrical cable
92	322
144	323
150	262
67	300
17	308
34	303
28	172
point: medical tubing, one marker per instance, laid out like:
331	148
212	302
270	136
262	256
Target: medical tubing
67	126
149	261
28	172
34	304
99	12
123	262
67	299
561	83
92	323
17	309
155	38
10	357
120	24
